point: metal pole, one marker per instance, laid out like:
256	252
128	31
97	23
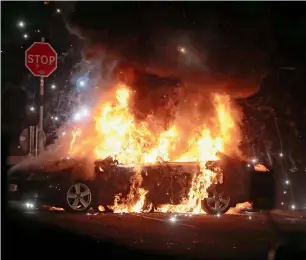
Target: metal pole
30	139
41	111
36	141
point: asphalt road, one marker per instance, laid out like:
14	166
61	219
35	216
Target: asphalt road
186	236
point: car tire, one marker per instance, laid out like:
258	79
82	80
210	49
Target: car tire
218	204
79	197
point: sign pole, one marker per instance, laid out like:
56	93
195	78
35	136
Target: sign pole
41	111
31	140
41	61
36	143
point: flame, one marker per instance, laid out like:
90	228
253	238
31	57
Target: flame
75	133
132	141
261	168
240	207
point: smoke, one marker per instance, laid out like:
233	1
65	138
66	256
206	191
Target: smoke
201	57
164	59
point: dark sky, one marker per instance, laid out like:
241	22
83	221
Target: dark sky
273	28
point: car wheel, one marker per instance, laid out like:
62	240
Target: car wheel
79	197
218	203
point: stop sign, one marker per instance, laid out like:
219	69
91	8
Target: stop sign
41	59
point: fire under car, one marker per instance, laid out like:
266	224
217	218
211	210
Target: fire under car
58	185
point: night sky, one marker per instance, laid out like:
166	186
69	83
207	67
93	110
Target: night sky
243	44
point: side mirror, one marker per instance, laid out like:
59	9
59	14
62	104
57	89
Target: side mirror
262	190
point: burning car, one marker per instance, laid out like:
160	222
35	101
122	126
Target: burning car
159	187
166	156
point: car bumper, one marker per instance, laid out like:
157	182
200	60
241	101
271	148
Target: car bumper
33	194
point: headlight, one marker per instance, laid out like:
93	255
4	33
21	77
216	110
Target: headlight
29	205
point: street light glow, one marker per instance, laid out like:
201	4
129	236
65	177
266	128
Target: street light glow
287	182
281	155
58	10
25	36
56	118
53	86
32	108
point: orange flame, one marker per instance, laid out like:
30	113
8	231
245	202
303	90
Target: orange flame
130	141
261	168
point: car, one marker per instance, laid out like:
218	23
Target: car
63	184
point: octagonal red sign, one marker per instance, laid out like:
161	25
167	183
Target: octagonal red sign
41	59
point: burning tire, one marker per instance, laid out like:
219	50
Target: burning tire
79	197
218	203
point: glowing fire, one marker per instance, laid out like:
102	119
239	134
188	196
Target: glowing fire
261	168
130	141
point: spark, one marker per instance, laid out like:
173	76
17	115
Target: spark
254	160
173	219
82	83
182	49
77	116
84	111
21	24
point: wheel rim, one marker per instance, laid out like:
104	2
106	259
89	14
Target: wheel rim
218	202
79	196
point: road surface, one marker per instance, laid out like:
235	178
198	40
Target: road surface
191	236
